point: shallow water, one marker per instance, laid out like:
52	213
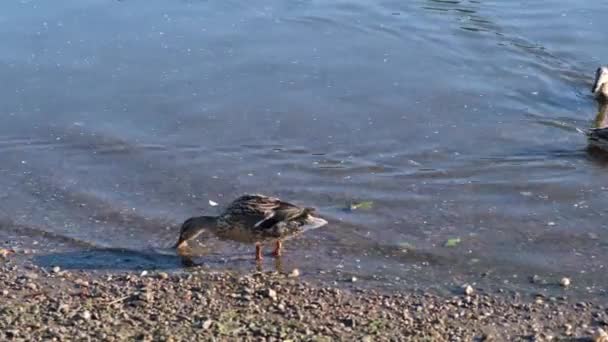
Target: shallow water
457	119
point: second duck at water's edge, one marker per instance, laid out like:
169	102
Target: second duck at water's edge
252	219
600	86
598	135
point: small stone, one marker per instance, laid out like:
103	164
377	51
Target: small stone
81	283
31	276
565	282
5	252
353	279
600	336
348	322
56	269
546	337
295	273
206	324
468	290
163	275
144	296
5	293
487	337
86	315
143	273
63	308
272	294
31	286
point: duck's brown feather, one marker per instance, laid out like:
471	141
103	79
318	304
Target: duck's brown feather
259	218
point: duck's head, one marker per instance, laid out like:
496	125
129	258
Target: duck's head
193	227
600	86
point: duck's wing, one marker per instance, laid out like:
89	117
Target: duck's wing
283	215
261	211
266	211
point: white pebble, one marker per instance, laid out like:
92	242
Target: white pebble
468	290
272	294
207	324
86	315
600	336
565	282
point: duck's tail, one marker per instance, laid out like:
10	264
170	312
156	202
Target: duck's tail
313	222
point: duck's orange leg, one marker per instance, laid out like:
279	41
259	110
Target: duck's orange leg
277	249
258	252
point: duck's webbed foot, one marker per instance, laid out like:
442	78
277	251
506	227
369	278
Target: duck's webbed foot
278	249
258	252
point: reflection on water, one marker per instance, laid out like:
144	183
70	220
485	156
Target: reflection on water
456	119
601	119
598	135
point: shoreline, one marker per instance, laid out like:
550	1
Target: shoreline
52	304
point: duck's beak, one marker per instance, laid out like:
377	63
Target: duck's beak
180	244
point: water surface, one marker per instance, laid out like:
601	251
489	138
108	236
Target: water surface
457	119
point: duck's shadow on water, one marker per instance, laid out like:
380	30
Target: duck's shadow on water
120	259
110	259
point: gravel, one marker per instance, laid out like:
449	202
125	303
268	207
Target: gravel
38	304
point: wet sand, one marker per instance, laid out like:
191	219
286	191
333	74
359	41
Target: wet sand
52	304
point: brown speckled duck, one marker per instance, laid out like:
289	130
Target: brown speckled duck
255	219
600	86
598	135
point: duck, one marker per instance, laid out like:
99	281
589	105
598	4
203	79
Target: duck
600	85
253	218
598	135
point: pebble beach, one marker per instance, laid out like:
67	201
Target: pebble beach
40	304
